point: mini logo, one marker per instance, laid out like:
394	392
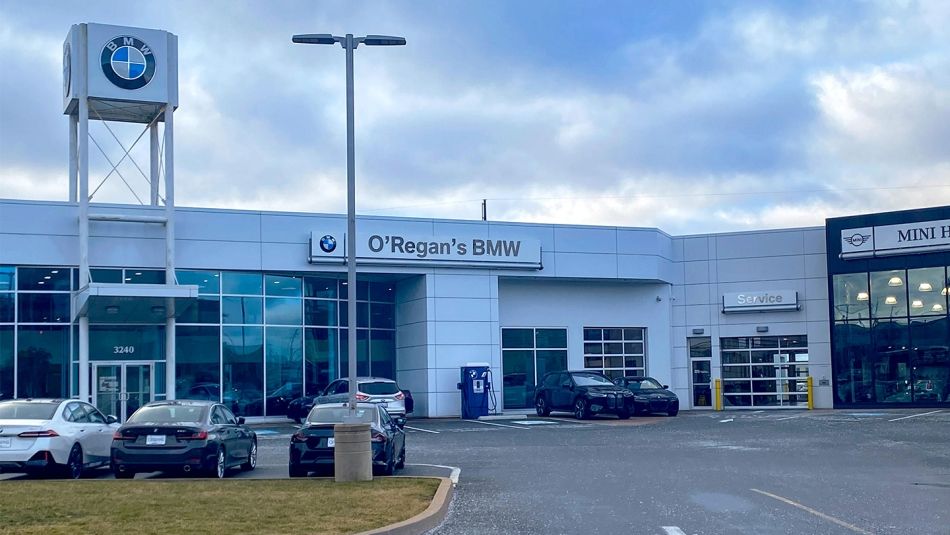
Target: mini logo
858	240
328	244
128	62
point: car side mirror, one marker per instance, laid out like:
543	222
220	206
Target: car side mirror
400	422
240	420
666	386
111	419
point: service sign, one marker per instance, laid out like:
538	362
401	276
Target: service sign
904	238
405	248
760	301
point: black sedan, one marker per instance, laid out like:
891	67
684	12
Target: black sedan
200	437
585	393
312	446
650	396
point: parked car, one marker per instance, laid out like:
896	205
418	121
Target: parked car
585	393
649	395
299	408
53	437
379	390
185	435
278	399
312	446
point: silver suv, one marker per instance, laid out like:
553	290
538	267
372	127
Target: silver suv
380	390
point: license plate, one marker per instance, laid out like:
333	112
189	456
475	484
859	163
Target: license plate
5	442
155	440
330	442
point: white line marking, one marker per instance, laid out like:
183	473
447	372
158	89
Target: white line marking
819	514
501	425
673	530
454	476
533	422
914	415
787	418
726	420
423	430
756	412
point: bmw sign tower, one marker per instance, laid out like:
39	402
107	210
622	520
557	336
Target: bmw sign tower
130	75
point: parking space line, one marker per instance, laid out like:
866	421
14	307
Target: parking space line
454	476
423	430
914	415
819	514
673	530
788	418
500	425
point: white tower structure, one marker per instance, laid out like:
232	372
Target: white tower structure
114	73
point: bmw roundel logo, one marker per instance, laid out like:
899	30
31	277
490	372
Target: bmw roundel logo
328	244
128	62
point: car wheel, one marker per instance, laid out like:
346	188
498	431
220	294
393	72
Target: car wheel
623	415
673	412
390	465
541	407
297	471
402	459
219	467
73	468
580	408
251	458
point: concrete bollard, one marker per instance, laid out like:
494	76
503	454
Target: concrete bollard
352	453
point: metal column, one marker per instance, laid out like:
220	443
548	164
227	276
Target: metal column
170	249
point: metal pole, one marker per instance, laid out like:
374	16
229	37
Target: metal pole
82	147
73	156
153	168
350	225
170	250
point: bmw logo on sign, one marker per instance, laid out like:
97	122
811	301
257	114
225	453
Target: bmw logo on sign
328	244
128	62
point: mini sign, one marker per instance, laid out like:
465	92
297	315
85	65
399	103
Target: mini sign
760	301
408	249
905	238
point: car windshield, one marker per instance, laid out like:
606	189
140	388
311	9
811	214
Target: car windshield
644	384
167	414
590	379
334	415
379	388
23	410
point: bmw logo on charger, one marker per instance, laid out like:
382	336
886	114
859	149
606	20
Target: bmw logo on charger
128	62
328	244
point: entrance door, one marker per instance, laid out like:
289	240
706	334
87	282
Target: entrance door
121	388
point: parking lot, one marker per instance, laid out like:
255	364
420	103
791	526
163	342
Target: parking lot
763	472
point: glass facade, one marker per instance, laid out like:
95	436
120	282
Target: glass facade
252	340
890	337
527	354
700	362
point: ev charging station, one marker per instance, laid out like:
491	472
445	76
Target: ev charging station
476	389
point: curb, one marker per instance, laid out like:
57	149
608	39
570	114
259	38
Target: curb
426	520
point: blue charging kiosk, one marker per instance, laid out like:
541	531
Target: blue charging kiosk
476	388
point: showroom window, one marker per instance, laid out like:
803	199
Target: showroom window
615	351
527	354
764	371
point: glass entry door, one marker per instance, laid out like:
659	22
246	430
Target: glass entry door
121	388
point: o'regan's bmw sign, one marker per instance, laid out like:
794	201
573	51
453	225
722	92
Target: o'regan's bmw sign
407	249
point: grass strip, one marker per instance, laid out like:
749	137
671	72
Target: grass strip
247	506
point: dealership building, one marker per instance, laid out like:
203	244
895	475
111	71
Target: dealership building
123	304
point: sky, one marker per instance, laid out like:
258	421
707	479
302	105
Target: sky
688	116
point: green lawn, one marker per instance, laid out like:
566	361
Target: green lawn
236	506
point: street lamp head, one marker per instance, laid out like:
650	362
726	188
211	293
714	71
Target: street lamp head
314	39
383	40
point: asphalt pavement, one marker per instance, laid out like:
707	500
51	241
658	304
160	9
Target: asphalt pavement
750	472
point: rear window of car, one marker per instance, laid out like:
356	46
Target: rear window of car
169	414
379	388
334	415
27	411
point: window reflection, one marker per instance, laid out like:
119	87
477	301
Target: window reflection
888	294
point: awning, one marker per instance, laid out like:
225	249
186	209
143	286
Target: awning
133	303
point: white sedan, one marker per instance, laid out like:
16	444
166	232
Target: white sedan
53	436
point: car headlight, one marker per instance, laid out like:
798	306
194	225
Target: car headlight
598	395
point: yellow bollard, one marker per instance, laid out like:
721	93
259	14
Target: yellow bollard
717	398
811	395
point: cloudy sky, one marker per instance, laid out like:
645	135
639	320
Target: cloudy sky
690	116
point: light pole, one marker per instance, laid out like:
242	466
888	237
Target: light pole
349	43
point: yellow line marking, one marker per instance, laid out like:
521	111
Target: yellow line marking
819	514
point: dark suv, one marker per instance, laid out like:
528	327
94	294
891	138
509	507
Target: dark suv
584	393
